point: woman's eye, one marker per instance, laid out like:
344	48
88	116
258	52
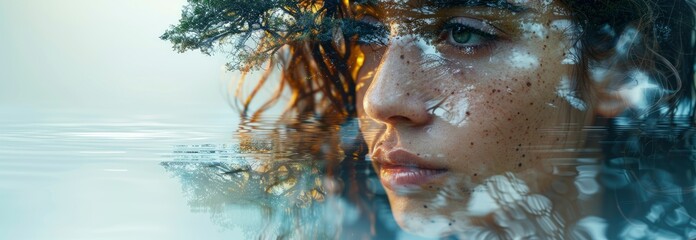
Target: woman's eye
466	32
462	35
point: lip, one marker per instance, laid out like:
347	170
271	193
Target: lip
399	168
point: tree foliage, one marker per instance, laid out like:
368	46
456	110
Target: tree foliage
250	31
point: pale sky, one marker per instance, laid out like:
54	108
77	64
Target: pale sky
102	56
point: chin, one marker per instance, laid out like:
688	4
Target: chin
502	206
423	223
426	214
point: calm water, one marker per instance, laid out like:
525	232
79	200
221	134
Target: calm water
81	177
210	177
147	177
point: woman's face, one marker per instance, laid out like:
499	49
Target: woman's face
476	100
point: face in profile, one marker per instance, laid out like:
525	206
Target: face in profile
463	107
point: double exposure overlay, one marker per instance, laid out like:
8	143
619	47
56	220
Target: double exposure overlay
472	119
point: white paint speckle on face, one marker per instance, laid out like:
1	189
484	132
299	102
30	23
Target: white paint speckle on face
523	60
496	191
481	203
453	111
571	32
534	29
457	113
428	50
571	56
431	58
565	91
425	225
566	27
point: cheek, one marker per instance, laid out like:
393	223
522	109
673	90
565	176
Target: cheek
509	92
522	86
509	114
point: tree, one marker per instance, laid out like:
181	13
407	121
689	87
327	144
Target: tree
251	31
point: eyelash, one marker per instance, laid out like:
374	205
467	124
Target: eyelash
442	34
446	37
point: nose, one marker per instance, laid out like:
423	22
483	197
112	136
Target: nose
398	92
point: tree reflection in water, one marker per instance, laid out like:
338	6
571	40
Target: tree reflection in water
296	180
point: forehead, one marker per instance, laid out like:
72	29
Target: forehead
401	7
511	5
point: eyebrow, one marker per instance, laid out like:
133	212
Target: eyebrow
497	4
443	4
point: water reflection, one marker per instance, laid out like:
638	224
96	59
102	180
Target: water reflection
298	181
307	180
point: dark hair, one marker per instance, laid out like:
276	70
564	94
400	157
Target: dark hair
649	172
663	45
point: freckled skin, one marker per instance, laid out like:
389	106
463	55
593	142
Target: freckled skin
504	123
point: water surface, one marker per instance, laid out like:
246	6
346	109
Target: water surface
212	177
